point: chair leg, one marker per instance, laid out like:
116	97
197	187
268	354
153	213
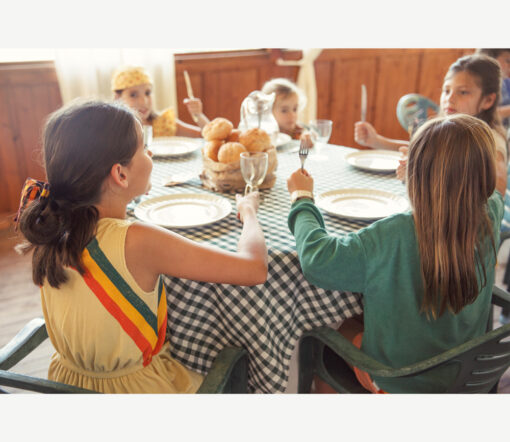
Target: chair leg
306	366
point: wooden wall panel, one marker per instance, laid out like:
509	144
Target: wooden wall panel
397	76
349	75
28	94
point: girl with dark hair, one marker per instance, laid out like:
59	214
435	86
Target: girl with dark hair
426	275
102	296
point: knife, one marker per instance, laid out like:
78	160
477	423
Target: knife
190	92
363	103
188	85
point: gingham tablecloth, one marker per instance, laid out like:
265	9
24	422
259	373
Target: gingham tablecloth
268	319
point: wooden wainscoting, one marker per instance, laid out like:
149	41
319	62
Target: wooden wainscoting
28	93
223	79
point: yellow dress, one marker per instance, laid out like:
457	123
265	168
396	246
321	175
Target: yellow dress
111	341
165	125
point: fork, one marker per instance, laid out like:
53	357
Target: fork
303	153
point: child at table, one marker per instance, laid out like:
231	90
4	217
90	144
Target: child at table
289	100
102	296
471	86
502	56
133	86
427	274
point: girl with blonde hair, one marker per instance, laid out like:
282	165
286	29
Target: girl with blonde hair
426	275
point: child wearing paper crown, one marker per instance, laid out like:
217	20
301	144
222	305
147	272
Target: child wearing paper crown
133	85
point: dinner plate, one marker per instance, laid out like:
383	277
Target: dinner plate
174	146
281	139
183	210
361	204
375	160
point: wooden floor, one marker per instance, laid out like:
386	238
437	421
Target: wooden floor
20	302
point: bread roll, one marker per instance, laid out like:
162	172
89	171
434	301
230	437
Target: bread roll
255	140
230	152
217	129
211	149
234	135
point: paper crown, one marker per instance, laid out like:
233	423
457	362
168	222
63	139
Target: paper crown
129	76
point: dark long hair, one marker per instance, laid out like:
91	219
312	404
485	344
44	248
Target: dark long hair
81	142
451	173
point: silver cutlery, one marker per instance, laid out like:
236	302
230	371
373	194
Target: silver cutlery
363	103
303	153
190	92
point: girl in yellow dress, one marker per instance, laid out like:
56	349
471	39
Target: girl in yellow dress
102	296
133	85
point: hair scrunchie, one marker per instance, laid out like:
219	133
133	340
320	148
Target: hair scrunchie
32	189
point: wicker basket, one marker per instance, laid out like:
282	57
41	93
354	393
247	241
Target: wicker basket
227	178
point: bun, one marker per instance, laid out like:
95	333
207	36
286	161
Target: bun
211	149
234	135
230	152
217	129
255	140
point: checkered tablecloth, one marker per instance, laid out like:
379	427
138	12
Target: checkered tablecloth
268	319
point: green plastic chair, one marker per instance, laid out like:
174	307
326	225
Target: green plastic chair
482	361
413	111
228	373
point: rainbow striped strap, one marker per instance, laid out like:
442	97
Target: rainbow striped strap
134	316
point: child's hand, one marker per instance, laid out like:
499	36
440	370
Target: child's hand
247	203
300	180
307	138
365	134
194	105
402	166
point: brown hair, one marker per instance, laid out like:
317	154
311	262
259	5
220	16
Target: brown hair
487	74
451	174
81	142
492	52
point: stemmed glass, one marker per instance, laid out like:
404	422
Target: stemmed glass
253	169
321	131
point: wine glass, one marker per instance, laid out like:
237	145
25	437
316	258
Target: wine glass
321	131
253	169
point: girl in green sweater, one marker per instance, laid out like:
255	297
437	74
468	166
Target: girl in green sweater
426	275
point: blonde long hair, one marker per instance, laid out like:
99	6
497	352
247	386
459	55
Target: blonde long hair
451	174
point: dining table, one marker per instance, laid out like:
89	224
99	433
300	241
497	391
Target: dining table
267	319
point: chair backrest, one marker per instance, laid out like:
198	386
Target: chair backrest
482	366
413	111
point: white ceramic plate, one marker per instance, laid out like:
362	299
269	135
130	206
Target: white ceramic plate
183	210
282	139
375	160
361	204
174	146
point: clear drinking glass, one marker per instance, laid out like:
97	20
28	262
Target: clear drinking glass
147	135
253	169
321	131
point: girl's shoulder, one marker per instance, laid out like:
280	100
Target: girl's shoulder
165	124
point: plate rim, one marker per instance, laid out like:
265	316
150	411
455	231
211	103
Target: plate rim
176	196
284	143
365	191
190	140
350	156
